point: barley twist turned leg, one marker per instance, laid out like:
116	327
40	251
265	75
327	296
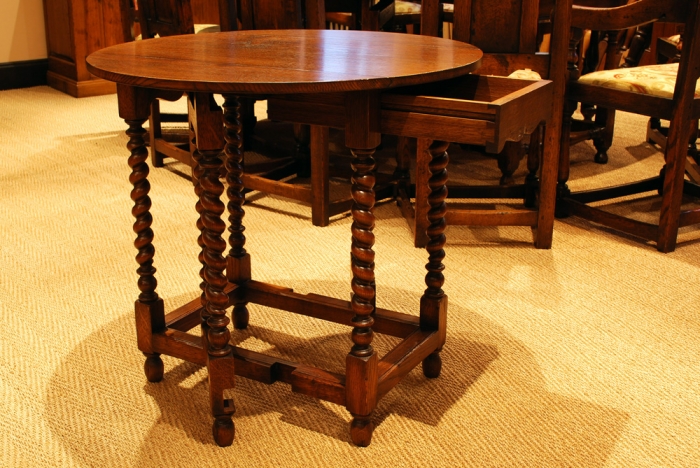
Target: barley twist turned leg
534	157
197	173
434	300
153	367
238	266
362	361
208	168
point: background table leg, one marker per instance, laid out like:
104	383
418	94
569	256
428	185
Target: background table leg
433	310
150	318
238	260
361	362
205	116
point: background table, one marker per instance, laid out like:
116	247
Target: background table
358	65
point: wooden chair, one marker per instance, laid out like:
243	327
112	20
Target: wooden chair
175	17
507	48
310	158
160	19
668	50
600	49
677	104
365	15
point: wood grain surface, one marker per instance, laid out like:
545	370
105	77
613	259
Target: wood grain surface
284	61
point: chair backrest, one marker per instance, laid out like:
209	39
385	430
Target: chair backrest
165	18
645	11
280	14
506	31
591	15
271	14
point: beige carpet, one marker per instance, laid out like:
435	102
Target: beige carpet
586	355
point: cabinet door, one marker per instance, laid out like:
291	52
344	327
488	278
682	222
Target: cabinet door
75	29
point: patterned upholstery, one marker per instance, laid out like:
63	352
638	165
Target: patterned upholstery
525	74
206	28
403	7
198	28
654	80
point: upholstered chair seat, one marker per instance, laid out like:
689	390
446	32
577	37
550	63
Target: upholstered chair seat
654	80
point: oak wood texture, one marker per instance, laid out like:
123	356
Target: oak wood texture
75	29
507	111
285	61
296	159
172	18
681	110
605	51
227	278
160	19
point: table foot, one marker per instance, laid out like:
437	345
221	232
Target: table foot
432	365
241	316
153	367
223	430
361	429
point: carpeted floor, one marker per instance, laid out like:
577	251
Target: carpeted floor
585	355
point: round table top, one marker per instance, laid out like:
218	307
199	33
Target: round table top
284	61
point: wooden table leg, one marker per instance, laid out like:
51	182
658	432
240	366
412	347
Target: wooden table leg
433	304
206	120
134	108
238	260
362	361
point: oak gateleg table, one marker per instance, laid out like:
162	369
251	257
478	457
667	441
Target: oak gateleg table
357	64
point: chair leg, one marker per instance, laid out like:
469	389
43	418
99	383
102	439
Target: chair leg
248	120
320	184
674	171
534	156
155	132
302	154
603	139
509	160
402	173
402	178
564	163
548	188
692	141
423	158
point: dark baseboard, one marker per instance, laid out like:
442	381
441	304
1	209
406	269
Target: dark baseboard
23	74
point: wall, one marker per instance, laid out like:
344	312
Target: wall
22	31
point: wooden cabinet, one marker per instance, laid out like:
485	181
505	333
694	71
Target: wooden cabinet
75	29
661	29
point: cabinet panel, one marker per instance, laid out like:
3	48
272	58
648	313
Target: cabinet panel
75	29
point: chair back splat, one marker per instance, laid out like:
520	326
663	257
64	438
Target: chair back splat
507	32
673	97
165	18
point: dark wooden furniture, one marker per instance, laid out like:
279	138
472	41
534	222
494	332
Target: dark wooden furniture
365	15
668	50
157	19
604	50
268	63
493	27
75	29
680	109
295	159
661	49
172	18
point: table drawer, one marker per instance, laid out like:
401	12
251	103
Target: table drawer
472	109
